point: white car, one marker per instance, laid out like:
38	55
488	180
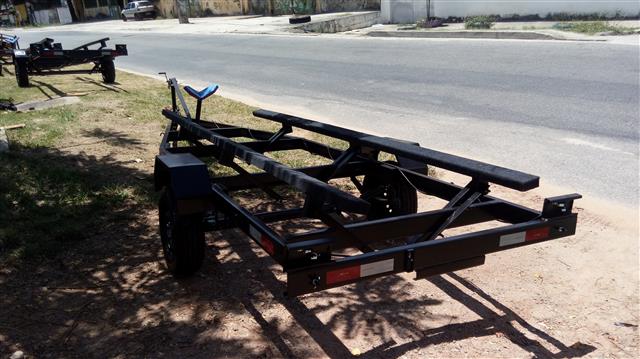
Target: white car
138	10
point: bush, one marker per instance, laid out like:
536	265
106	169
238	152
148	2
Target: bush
427	24
479	22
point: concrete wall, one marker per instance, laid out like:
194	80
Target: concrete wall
407	11
200	8
58	15
343	23
532	7
108	11
268	7
347	5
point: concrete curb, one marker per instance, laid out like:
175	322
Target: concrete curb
518	35
342	23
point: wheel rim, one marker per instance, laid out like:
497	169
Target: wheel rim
384	201
167	227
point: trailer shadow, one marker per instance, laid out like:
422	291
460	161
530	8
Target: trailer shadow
41	86
114	138
367	310
89	282
104	292
114	87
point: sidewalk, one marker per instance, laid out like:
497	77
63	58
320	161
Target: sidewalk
248	24
279	25
539	30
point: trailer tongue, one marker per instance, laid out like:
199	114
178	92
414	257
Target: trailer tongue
376	233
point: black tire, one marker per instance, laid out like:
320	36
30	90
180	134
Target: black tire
299	19
108	70
124	18
22	72
182	238
388	197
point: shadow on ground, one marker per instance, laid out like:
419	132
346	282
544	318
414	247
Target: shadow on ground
97	288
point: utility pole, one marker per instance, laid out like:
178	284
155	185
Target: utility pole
182	7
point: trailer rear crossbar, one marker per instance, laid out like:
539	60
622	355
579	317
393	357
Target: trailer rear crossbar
366	233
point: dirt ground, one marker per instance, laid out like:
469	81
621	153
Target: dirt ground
111	296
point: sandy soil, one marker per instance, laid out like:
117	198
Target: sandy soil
111	297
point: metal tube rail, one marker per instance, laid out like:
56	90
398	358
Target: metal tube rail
479	170
314	188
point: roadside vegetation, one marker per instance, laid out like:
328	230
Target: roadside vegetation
479	22
594	27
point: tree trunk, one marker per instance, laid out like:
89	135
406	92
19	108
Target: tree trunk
182	7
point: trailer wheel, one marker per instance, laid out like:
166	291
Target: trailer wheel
388	198
22	72
182	238
108	70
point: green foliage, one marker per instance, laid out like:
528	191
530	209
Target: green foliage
46	202
593	27
479	22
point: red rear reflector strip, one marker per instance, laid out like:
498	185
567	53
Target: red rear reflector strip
267	244
343	274
537	234
359	271
264	241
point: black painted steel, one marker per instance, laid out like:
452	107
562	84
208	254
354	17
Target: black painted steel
342	246
46	57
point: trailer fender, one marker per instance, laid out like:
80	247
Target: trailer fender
409	163
187	178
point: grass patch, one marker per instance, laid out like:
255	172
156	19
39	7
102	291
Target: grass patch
593	27
46	202
74	170
83	172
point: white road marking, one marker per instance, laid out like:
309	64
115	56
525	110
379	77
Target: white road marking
575	141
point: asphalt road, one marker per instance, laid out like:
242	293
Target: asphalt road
567	111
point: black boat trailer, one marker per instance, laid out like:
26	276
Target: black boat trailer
46	57
8	43
378	233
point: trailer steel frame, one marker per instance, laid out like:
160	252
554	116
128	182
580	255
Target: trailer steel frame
350	248
46	57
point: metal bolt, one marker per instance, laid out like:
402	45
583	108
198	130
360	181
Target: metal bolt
315	282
